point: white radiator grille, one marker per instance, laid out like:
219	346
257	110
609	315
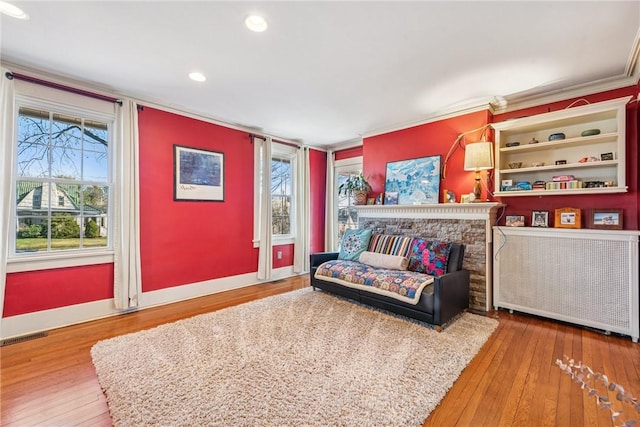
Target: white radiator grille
580	280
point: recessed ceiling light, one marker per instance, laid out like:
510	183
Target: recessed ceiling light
256	23
196	76
12	11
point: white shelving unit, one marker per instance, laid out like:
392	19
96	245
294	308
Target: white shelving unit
609	117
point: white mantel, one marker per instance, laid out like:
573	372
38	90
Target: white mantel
483	211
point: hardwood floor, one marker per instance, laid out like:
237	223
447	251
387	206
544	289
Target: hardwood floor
513	381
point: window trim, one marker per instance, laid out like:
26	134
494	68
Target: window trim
17	262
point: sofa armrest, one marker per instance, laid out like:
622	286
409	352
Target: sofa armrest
451	295
320	257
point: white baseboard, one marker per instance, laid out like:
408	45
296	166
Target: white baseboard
30	323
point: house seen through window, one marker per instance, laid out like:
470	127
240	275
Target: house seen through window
62	181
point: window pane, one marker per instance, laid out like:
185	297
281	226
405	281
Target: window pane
95	167
281	196
65	231
32	197
31	235
96	137
33	143
66	131
347	214
66	163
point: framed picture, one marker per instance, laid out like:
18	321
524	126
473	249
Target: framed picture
465	198
606	219
449	196
606	156
568	218
514	221
198	174
417	181
371	201
540	218
391	198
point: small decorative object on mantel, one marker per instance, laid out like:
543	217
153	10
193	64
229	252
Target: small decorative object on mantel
540	219
391	198
605	219
557	136
449	196
533	141
514	221
568	218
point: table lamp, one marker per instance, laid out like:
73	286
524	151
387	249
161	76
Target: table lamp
478	157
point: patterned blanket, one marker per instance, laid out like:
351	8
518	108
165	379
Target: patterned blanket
404	286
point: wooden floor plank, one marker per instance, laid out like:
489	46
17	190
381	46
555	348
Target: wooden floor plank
512	381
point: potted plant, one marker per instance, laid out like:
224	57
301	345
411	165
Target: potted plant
356	186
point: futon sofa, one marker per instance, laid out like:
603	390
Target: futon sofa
404	275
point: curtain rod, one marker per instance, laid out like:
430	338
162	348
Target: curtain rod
58	86
290	144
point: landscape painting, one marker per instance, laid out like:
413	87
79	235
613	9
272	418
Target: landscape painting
417	181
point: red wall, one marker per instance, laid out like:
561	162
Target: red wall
317	199
420	141
46	289
627	201
348	153
187	241
182	242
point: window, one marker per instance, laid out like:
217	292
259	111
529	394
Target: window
62	180
283	203
281	196
347	215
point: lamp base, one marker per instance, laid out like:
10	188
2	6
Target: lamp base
477	187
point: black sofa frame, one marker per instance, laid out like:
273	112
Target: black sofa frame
449	296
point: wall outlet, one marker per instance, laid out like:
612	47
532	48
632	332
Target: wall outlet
279	255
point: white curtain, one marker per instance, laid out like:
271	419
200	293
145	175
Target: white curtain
301	243
330	216
7	109
127	279
265	250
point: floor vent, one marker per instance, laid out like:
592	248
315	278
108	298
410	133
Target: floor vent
22	338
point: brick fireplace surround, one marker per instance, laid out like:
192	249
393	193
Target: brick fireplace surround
467	223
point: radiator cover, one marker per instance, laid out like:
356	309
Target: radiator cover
586	277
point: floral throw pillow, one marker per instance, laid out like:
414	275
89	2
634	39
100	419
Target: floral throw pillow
429	256
354	242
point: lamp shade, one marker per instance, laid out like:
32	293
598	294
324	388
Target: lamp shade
478	156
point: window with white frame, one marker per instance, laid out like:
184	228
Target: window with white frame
62	179
283	201
346	216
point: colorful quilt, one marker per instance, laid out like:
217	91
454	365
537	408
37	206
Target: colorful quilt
404	286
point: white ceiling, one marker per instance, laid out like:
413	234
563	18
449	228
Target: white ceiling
327	72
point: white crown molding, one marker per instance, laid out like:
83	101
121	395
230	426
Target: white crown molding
631	70
533	100
356	142
435	117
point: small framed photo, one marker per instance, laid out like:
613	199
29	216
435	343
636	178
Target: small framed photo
465	198
561	162
606	156
379	199
540	218
514	221
605	219
391	198
568	218
371	201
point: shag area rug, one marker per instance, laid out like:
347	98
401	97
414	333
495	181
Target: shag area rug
301	358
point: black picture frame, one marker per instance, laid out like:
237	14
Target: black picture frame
198	174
